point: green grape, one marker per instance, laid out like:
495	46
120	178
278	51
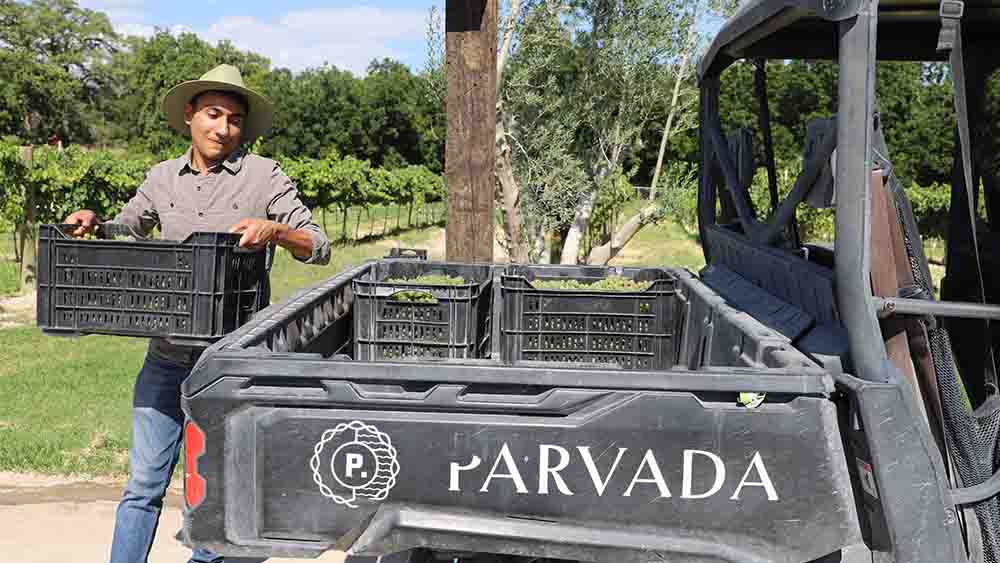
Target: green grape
414	297
427	279
610	283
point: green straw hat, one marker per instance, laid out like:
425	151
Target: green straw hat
224	78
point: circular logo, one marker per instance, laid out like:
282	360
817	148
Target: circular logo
354	465
363	463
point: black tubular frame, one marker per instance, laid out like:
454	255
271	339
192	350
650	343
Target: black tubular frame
856	51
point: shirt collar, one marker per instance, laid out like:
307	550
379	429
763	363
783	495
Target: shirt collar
233	163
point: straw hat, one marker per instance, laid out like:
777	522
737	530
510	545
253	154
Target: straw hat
225	78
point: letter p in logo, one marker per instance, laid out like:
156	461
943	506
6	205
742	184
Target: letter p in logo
355	461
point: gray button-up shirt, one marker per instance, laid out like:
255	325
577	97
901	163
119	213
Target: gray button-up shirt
179	200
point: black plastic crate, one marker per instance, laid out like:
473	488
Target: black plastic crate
191	292
455	325
632	330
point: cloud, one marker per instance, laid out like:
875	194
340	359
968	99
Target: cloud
144	30
139	29
348	37
120	12
128	17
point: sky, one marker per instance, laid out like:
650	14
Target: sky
295	34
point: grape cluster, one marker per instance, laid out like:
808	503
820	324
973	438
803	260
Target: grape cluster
610	283
423	296
414	297
93	236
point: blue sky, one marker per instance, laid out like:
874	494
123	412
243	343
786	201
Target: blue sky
295	34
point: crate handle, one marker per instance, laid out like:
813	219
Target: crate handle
65	228
414	297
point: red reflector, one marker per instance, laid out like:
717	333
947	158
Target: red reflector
194	446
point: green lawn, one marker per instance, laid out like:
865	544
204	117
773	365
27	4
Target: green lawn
65	402
289	275
8	268
8	277
662	244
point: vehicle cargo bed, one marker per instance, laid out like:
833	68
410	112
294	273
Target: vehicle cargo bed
305	449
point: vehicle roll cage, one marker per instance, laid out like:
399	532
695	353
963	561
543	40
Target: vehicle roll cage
854	33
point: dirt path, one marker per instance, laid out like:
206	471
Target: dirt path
60	520
436	247
17	310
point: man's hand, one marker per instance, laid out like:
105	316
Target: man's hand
86	221
257	233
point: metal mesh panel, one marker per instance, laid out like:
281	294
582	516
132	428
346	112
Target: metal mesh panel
972	439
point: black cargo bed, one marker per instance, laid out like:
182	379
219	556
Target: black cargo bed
309	450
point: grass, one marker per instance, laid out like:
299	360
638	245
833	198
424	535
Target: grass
662	244
8	268
288	275
8	277
935	250
65	404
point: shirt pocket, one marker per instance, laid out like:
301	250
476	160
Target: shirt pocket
241	204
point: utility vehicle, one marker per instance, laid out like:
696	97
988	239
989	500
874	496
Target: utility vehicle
541	430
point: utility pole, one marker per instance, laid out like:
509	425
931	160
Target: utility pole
470	62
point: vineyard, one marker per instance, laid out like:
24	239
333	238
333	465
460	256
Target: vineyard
351	199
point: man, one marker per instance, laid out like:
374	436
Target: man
215	186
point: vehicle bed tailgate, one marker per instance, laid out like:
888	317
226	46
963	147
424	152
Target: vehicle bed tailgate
770	482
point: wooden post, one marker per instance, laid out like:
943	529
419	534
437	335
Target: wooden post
27	238
470	57
906	341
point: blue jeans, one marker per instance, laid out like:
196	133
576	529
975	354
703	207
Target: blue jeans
157	423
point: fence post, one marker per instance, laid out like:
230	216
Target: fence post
27	268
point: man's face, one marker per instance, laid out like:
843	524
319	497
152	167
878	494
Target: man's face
216	122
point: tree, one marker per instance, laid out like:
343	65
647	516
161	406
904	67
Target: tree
577	84
53	58
147	68
538	170
279	86
397	125
321	114
682	44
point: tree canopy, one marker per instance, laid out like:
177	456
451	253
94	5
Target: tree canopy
588	93
53	60
67	74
